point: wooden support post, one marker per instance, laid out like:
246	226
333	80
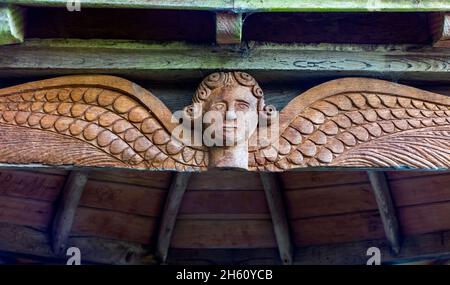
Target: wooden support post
228	28
11	24
382	193
279	219
170	212
63	220
440	29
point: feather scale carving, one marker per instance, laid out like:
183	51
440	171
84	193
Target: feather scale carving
108	121
362	123
99	111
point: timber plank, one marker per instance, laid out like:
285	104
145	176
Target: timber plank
26	212
151	179
113	225
29	241
224	202
174	61
225	180
316	179
223	234
330	200
421	190
256	6
32	185
123	198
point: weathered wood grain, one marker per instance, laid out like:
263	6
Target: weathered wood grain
169	215
274	198
67	206
114	225
223	234
29	241
125	198
11	24
415	248
440	29
175	61
259	6
228	28
386	207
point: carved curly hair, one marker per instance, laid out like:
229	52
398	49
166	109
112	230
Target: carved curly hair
221	79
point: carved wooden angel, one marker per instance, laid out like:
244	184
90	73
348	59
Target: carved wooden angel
105	121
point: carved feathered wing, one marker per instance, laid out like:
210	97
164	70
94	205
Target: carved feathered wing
357	122
90	121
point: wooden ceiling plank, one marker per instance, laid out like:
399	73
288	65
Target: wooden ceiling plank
278	212
30	241
63	219
228	28
386	207
172	206
177	61
11	24
440	29
256	6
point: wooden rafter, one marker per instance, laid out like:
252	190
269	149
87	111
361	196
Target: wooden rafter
256	6
170	212
386	207
264	61
65	214
228	28
11	24
440	29
280	222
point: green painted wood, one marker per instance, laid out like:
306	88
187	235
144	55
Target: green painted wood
253	6
140	4
341	6
178	61
11	24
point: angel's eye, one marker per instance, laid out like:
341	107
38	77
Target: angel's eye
218	107
242	106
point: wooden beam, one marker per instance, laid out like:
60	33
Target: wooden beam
228	28
177	61
170	212
386	207
256	6
30	241
340	6
63	220
430	246
275	202
440	29
11	24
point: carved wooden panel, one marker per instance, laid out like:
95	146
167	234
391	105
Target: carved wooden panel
105	121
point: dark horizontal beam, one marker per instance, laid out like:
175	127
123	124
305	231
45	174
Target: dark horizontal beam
432	246
253	6
178	61
34	242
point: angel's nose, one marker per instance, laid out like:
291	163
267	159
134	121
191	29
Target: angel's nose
231	115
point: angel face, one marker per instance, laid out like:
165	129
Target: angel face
230	115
